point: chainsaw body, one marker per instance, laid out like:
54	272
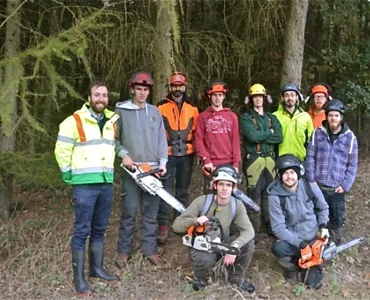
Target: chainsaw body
147	178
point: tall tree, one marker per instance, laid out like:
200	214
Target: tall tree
10	84
167	31
294	42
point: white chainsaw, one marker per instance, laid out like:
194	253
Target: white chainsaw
145	177
206	238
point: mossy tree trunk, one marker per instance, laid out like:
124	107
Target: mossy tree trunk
294	42
10	72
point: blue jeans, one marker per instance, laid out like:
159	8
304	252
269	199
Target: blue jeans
92	203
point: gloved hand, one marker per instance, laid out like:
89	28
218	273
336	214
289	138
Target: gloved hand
323	233
306	252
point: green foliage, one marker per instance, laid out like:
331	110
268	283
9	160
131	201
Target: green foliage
40	170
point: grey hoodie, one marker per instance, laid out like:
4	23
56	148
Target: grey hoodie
141	133
300	219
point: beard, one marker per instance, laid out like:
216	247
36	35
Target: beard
290	103
333	126
98	107
177	94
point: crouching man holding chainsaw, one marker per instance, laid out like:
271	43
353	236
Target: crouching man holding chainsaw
211	215
299	215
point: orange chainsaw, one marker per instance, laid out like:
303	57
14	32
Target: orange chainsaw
323	251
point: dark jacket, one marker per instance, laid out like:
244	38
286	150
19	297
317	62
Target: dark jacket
257	133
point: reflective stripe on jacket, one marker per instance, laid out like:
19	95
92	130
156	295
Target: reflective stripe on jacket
297	131
85	154
179	125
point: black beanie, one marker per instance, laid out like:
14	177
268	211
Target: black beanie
296	169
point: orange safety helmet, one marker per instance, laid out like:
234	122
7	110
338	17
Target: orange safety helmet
141	78
178	78
217	86
319	89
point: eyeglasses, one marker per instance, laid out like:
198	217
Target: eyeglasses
318	97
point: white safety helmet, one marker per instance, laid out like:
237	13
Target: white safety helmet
222	175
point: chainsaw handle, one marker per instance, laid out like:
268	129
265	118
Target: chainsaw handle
151	172
207	172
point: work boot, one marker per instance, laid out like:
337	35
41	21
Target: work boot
78	266
290	277
198	285
244	285
162	234
122	260
155	259
96	257
247	286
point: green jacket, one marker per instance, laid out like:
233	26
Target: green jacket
297	130
257	133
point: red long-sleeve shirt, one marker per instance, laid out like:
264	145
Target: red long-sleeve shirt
217	138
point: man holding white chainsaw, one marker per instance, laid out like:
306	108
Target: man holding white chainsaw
298	216
228	211
141	140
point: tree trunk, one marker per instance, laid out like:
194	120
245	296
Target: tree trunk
294	42
163	51
10	72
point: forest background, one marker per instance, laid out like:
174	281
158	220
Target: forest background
51	50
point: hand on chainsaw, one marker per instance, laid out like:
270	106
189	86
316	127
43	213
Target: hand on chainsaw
229	259
209	167
323	232
202	219
128	162
164	170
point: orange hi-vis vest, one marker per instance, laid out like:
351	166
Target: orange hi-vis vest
179	125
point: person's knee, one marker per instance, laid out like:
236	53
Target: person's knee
281	249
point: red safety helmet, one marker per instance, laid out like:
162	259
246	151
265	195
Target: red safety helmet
217	86
178	78
141	78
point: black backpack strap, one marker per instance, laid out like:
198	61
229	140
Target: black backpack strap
309	192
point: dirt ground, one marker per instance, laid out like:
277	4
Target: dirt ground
35	256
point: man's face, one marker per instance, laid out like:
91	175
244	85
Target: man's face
224	189
177	90
257	101
217	99
98	98
290	178
290	98
334	119
140	93
319	100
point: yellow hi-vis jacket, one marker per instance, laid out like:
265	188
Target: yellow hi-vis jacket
85	155
297	130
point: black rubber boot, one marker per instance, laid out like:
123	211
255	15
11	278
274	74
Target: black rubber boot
96	257
198	285
78	265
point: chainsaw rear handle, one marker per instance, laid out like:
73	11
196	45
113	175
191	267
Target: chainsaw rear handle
151	172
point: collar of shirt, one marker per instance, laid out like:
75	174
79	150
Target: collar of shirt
95	116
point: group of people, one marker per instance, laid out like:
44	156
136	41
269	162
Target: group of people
295	205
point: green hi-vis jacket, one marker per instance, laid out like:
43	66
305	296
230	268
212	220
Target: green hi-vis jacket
84	153
260	133
297	130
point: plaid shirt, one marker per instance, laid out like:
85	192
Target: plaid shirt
334	164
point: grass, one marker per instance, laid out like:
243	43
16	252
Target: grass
35	259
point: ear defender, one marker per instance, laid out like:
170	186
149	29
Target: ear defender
268	99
